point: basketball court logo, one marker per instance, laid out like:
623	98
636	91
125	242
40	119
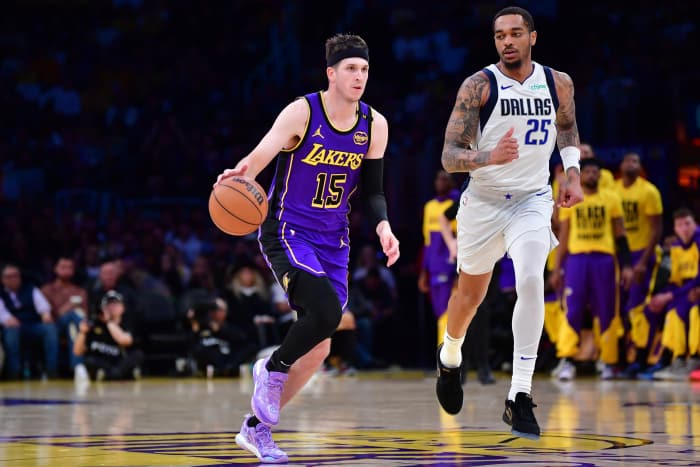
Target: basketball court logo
349	447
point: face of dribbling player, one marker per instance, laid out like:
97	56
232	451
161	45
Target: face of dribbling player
349	77
513	40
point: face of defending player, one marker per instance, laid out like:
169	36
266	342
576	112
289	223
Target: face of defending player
631	166
513	40
590	175
684	227
349	77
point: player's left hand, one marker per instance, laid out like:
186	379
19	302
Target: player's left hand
570	192
238	171
390	244
626	277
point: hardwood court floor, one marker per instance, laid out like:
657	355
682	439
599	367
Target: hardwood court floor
370	419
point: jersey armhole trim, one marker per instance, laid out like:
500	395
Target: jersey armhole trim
552	86
487	109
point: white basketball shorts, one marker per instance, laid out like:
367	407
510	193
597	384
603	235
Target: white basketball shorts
489	221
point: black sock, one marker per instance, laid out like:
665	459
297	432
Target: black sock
275	364
253	421
642	356
666	357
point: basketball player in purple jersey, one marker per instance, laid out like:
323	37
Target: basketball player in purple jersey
438	272
643	211
502	130
326	142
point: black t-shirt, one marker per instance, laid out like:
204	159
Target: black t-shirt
221	339
100	343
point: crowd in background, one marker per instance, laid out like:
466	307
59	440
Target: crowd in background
123	112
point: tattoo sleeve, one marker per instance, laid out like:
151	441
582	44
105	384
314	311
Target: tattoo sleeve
567	130
460	134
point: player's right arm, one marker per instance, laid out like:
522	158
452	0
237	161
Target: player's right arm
285	133
458	154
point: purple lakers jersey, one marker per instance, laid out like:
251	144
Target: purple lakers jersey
314	180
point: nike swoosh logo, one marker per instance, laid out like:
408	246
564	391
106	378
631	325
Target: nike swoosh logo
506	87
527	358
540	194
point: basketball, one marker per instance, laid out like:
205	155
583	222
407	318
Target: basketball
237	205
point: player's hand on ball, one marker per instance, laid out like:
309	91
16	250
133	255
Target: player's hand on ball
231	173
506	149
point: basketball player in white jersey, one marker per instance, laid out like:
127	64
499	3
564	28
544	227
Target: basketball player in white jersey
502	130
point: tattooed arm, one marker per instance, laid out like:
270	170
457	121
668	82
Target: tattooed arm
570	192
458	154
567	130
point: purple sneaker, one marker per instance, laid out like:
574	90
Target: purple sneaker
258	440
267	393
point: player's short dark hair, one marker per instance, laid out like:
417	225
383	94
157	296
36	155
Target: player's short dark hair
515	10
683	212
591	161
344	41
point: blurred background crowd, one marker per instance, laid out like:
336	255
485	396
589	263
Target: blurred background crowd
118	115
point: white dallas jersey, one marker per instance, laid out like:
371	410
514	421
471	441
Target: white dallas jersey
531	109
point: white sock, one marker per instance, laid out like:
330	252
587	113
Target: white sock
451	352
523	368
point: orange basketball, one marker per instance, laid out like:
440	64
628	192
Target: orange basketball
238	205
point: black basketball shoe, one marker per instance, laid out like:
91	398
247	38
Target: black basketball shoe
449	386
521	418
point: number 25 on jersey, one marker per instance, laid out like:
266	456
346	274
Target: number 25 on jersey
538	131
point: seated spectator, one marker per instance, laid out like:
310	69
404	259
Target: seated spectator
368	260
104	343
218	346
676	302
341	359
68	304
250	307
110	278
285	314
365	311
25	315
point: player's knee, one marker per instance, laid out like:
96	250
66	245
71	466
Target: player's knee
466	303
319	300
530	283
329	318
